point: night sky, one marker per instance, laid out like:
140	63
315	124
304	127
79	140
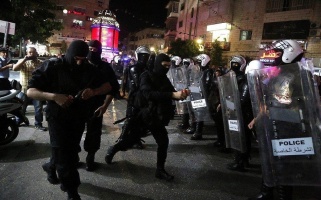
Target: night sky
135	15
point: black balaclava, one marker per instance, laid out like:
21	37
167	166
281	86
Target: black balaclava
159	69
76	48
95	57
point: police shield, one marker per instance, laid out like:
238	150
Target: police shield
231	111
288	125
198	97
178	78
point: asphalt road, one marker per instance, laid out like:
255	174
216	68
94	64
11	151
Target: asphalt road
199	169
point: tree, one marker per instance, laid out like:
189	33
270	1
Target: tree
184	48
34	19
216	54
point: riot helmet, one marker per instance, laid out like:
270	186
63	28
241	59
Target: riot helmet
284	52
187	62
142	54
176	60
254	65
237	63
117	59
203	60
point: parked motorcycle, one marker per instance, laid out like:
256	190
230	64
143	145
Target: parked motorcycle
10	109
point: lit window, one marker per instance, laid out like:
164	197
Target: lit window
78	24
246	35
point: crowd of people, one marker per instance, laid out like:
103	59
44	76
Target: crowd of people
79	87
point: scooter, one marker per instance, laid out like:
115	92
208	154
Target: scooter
10	108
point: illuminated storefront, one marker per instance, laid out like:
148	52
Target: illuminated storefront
105	28
221	33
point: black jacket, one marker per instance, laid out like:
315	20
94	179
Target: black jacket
155	99
57	76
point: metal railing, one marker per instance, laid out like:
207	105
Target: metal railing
287	5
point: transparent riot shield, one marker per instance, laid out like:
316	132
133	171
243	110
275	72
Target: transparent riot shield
179	80
198	101
287	123
232	113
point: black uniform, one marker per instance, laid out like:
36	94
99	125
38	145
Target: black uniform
241	160
131	130
156	112
94	124
66	125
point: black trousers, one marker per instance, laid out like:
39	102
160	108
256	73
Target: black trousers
93	135
65	136
160	135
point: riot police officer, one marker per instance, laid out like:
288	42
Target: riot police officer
184	124
282	89
241	160
201	79
172	75
131	131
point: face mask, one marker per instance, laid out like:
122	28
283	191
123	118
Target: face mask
94	57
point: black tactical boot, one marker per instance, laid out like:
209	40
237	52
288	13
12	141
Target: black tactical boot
198	131
51	173
73	194
241	160
185	122
162	174
191	129
284	192
110	154
266	193
90	161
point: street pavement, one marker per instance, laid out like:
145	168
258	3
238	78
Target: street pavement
199	169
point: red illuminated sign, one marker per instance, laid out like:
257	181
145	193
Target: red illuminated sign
107	36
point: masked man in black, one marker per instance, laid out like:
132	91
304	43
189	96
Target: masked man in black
131	131
154	101
94	124
68	86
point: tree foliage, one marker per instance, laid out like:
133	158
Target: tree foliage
216	54
184	48
34	19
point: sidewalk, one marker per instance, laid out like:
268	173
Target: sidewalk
199	169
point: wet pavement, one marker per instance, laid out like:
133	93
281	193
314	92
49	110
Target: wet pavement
199	169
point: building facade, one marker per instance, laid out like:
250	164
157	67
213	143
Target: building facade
245	27
76	18
150	37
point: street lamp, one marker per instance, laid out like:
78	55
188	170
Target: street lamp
199	41
65	11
